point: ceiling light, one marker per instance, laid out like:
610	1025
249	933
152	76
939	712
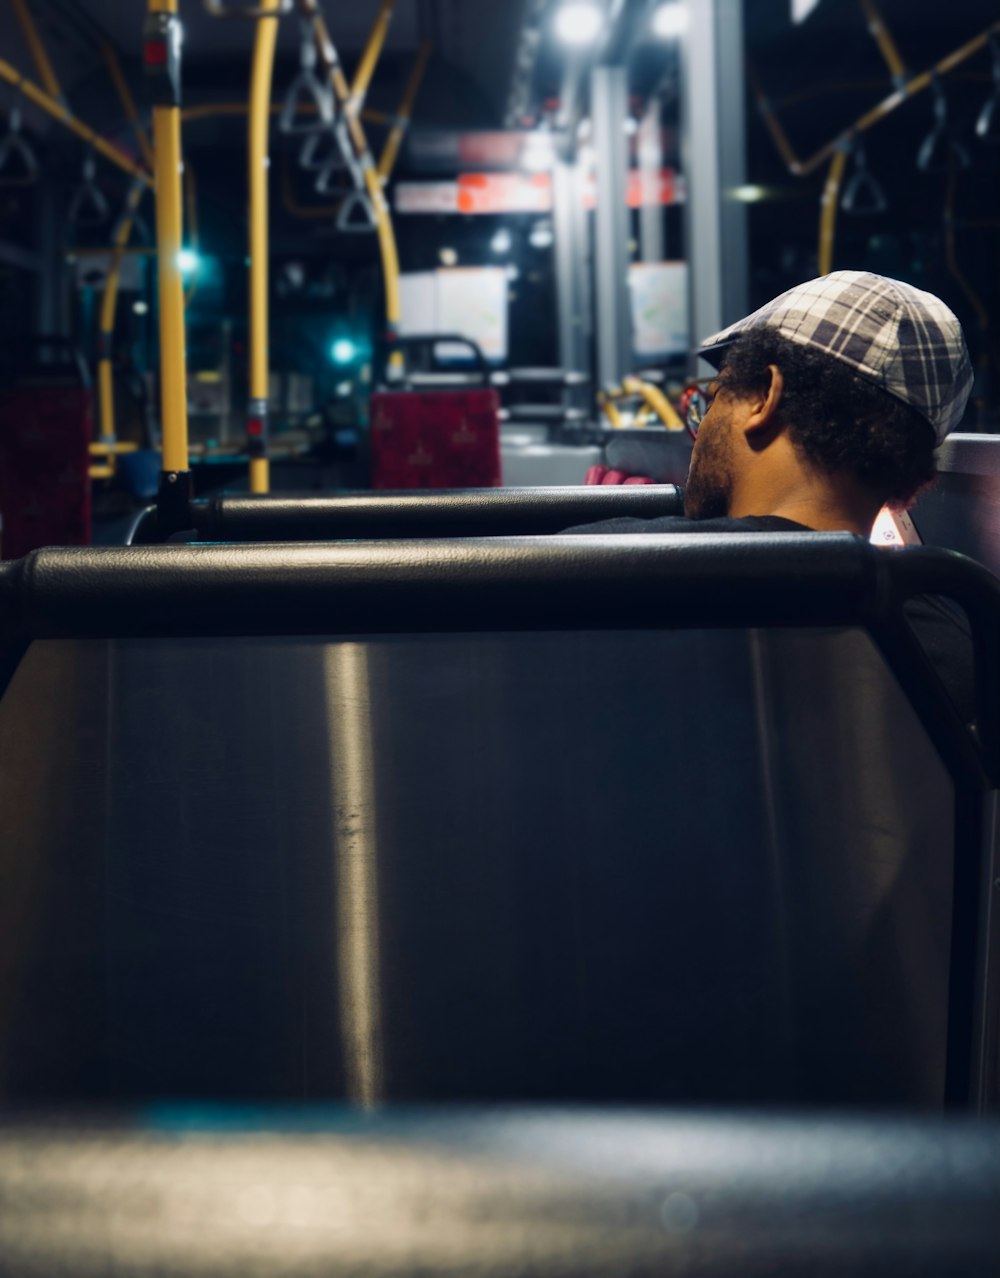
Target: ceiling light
801	9
448	256
501	242
578	22
541	236
140	307
670	20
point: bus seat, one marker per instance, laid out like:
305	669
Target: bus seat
642	820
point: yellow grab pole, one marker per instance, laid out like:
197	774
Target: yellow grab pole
372	53
45	102
330	63
128	102
887	46
390	152
916	84
259	120
656	400
41	59
161	56
829	203
105	380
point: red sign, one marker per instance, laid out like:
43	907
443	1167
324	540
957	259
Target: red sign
525	193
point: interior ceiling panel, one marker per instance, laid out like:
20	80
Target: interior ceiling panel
476	37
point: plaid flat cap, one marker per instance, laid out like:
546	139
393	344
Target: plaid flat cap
905	340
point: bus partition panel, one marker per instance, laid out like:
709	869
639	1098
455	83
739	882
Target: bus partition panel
188	1191
46	425
642	819
472	512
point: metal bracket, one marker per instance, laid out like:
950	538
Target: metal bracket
862	193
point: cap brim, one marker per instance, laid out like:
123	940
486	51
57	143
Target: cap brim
714	352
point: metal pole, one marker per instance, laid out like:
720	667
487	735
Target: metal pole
162	41
570	263
650	146
713	147
258	122
609	102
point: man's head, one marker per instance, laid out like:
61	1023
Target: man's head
837	391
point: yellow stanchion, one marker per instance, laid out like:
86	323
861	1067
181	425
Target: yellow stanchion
916	84
219	110
46	73
829	204
45	102
887	46
372	53
655	400
107	442
162	62
330	63
259	120
128	102
390	151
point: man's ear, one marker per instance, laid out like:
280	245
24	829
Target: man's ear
763	414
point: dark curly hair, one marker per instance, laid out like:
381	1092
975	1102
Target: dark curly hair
841	422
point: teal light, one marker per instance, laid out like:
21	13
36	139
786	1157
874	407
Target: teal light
343	351
188	261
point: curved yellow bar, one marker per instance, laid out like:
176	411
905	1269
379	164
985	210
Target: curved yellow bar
258	127
372	53
655	400
390	152
34	41
45	102
829	204
106	322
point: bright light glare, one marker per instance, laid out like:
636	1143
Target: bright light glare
670	20
541	236
501	242
188	261
343	351
448	256
749	194
537	155
578	23
801	9
140	307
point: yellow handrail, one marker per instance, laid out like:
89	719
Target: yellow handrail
45	102
916	84
390	151
656	400
883	38
258	122
829	204
213	110
36	46
330	63
128	102
372	53
169	227
109	302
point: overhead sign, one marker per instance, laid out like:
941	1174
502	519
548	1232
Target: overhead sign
482	193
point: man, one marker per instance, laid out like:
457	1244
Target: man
828	404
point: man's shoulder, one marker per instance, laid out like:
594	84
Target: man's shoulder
679	524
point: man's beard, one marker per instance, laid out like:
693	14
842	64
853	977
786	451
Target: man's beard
709	487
